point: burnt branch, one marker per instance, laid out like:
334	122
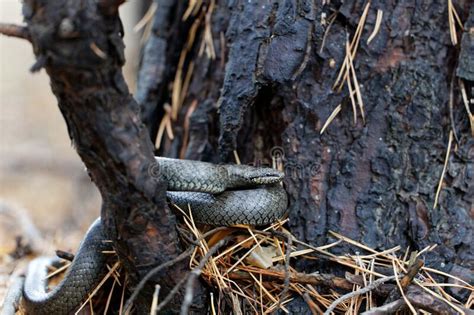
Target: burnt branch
79	44
14	30
151	273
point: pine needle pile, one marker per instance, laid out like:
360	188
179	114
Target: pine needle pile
253	273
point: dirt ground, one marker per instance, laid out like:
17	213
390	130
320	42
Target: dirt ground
40	171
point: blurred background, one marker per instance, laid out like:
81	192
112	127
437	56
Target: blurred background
41	176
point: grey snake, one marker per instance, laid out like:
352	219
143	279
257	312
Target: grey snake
219	195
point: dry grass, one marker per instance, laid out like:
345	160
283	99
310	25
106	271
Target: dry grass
445	166
378	22
453	19
147	17
347	74
470	116
249	272
455	22
330	118
330	21
185	67
352	51
252	270
113	272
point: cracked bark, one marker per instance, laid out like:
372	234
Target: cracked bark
373	182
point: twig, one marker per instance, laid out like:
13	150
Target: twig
122	296
151	273
109	298
358	94
60	269
413	270
326	32
154	302
414	267
187	80
65	255
433	302
147	17
344	72
438	299
286	287
98	286
313	307
203	236
410	306
207	40
14	30
389	308
368	288
188	296
172	293
176	94
13	295
327	280
236	157
349	84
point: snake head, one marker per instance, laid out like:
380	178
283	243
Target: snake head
265	176
244	175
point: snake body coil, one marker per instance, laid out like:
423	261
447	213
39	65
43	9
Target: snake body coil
220	195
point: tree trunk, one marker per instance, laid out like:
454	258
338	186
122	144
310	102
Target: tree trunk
261	76
269	90
80	46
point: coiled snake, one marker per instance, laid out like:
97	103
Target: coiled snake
219	195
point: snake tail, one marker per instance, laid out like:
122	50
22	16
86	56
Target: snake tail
85	272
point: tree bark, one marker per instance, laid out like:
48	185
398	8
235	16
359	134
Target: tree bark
79	44
268	91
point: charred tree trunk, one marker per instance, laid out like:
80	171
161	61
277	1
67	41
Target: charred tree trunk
79	44
268	90
256	77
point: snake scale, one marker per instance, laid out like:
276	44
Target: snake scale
219	195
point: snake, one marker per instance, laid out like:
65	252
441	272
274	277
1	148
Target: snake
217	194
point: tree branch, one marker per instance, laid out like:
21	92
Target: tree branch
104	124
14	30
363	290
